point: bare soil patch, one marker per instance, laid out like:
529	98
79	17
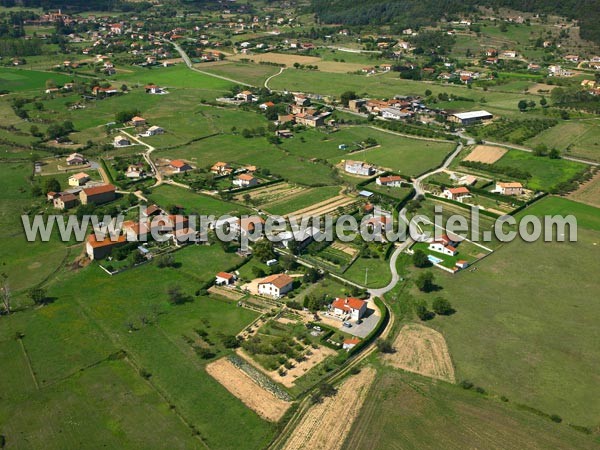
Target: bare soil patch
250	393
487	154
347	249
422	350
279	58
225	292
327	424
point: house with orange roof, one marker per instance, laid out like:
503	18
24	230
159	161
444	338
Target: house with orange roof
390	180
350	343
221	168
179	166
100	249
224	279
79	179
98	194
245	180
138	121
65	200
457	193
351	307
512	188
276	285
444	245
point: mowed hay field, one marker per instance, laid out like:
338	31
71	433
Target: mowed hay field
486	154
406	411
421	350
533	339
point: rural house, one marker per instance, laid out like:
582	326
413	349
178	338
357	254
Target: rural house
75	159
276	285
350	343
138	121
444	245
79	179
245	180
179	166
456	194
98	194
65	201
359	168
96	249
513	188
121	141
224	279
390	180
221	168
355	308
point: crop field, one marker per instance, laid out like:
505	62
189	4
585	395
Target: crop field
589	192
440	415
517	338
192	202
304	200
546	173
272	193
486	154
577	138
290	59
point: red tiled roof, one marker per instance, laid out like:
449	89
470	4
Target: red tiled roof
278	280
348	304
105	242
99	189
177	163
225	275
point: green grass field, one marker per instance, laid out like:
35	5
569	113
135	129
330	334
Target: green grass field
573	138
254	74
201	204
69	340
531	339
546	173
407	411
18	80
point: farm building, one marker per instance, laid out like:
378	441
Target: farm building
98	194
472	117
353	307
275	285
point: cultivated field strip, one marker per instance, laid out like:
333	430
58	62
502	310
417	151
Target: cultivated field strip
327	424
324	207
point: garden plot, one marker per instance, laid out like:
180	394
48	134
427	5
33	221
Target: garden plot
248	390
325	207
271	194
486	154
422	350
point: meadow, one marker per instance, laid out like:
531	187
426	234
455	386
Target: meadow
531	340
70	343
546	173
574	138
440	415
254	74
19	80
194	203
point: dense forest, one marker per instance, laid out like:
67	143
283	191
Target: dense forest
414	13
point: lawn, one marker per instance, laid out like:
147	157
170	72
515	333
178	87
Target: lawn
526	322
166	195
375	271
587	216
546	173
254	74
407	411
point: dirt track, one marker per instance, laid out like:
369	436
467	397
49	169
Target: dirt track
327	424
250	393
486	154
422	350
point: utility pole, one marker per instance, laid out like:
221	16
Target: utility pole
366	276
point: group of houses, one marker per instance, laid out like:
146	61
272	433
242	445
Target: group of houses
97	195
398	108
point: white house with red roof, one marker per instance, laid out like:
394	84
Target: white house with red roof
444	245
350	343
390	180
276	285
457	193
179	166
350	306
245	180
224	279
